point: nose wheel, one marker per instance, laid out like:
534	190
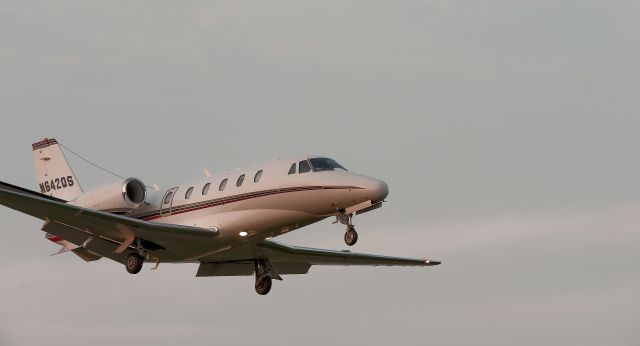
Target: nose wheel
351	236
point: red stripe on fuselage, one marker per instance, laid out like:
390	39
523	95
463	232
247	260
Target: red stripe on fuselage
237	198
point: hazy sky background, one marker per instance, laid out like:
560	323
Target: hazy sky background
506	130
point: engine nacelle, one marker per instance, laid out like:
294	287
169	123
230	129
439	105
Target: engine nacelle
117	197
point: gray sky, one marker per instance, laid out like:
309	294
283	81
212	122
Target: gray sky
507	132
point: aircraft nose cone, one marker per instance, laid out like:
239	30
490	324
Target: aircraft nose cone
379	190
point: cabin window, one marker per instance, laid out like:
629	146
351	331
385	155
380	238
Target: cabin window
304	167
187	194
205	189
240	180
292	170
167	198
257	177
223	184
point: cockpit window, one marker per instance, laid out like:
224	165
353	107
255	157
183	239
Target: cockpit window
292	170
304	167
324	164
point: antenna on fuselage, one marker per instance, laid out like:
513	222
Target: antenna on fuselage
206	173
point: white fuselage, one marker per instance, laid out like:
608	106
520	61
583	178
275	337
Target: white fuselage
276	203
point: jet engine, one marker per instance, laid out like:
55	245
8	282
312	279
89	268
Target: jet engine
118	197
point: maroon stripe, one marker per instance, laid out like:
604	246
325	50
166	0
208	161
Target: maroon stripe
44	143
238	198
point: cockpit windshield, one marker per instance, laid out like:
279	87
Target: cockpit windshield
324	164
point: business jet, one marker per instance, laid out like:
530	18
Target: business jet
224	223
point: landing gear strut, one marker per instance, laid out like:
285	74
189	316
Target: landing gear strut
350	236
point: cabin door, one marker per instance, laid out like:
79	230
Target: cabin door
167	202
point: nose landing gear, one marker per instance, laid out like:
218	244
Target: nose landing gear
350	236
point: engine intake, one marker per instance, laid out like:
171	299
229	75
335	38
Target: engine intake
134	191
117	197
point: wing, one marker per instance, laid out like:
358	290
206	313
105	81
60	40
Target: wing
9	187
109	233
286	259
278	252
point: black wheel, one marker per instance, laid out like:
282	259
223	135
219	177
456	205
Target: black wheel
263	284
134	263
351	236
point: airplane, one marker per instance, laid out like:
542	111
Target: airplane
223	223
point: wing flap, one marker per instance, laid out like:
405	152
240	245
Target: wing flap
89	244
246	268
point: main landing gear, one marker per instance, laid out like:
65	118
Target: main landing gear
135	260
134	263
350	236
263	284
264	275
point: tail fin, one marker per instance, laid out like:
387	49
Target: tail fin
55	176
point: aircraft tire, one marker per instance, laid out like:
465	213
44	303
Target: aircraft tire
263	284
134	263
351	236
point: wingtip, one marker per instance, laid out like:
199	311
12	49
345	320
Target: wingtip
432	263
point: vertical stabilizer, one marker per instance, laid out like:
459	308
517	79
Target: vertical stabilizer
55	176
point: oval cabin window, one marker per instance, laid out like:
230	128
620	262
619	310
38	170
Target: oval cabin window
187	194
205	189
240	180
223	184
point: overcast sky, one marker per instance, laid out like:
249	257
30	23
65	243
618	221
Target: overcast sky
506	130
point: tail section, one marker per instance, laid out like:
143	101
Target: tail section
55	176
